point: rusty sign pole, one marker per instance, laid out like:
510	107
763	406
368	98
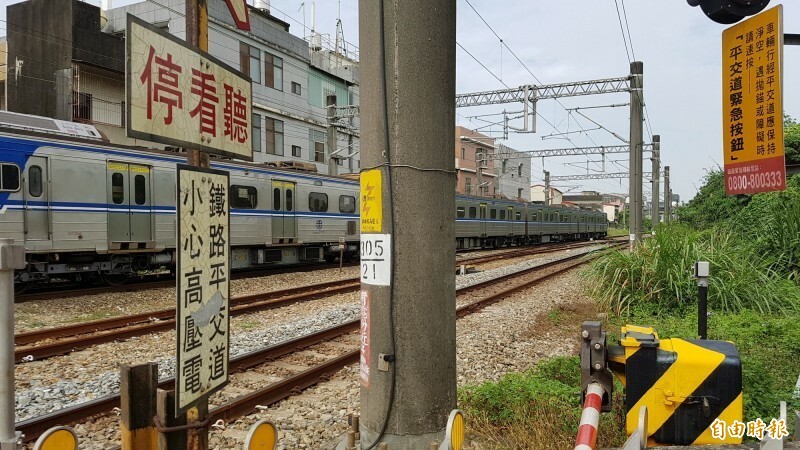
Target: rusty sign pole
197	34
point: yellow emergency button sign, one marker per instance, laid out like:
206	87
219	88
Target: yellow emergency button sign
371	201
263	435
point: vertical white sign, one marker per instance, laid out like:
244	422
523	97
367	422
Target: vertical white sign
376	259
203	284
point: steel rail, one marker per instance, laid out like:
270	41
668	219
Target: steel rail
32	428
80	336
116	329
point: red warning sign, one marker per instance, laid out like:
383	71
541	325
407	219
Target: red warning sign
365	350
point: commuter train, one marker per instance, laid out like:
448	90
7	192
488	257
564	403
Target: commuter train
85	209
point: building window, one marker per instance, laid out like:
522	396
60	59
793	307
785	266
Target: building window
243	197
274	132
297	88
463	153
273	71
519	193
519	170
347	204
319	152
250	60
256	133
297	152
468	185
317	202
81	106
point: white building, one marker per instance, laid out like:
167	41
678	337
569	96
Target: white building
537	194
513	173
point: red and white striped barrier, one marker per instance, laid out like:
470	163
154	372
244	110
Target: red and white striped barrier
587	432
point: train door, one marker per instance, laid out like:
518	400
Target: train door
36	192
284	222
129	199
140	203
483	219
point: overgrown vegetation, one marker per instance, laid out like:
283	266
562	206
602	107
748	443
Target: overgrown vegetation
537	409
657	275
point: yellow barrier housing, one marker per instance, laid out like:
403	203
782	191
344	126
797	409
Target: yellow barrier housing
686	385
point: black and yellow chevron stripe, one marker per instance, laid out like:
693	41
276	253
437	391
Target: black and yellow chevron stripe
685	385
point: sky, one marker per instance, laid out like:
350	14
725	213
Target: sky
581	40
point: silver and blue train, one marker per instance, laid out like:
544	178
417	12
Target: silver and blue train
85	209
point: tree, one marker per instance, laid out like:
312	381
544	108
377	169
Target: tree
791	139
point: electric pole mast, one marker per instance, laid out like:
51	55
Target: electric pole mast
636	142
655	181
667	197
408	83
546	188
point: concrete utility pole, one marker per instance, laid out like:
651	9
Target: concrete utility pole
655	181
667	197
480	158
546	188
408	64
636	142
330	102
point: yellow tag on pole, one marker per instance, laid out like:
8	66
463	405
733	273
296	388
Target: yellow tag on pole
371	201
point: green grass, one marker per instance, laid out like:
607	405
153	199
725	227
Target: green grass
657	275
536	409
616	232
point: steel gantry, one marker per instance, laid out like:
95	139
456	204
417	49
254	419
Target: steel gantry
576	151
532	93
597	176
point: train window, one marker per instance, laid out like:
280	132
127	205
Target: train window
243	197
276	199
9	178
35	181
502	214
139	190
519	215
460	212
117	188
289	199
317	202
493	214
473	212
347	204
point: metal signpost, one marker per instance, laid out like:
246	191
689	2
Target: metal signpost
179	95
752	104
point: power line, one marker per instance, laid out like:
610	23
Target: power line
627	26
622	30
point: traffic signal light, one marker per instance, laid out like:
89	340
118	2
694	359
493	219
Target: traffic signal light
729	11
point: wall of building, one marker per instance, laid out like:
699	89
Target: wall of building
466	151
537	195
513	173
34	62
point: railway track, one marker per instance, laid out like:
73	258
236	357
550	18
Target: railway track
46	343
487	293
70	290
